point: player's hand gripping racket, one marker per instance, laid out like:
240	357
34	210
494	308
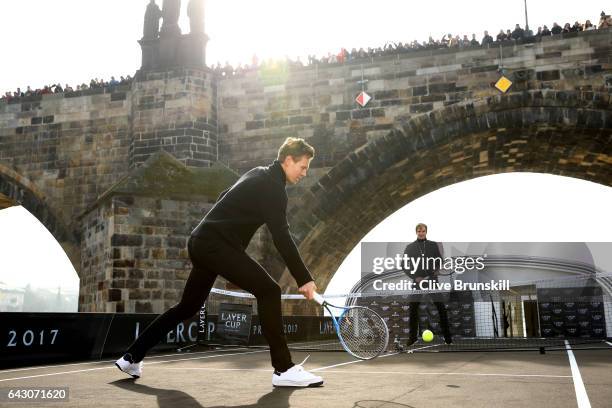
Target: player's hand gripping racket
362	332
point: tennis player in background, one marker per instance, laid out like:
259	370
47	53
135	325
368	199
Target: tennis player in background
423	248
217	247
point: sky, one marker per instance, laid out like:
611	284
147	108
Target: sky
509	207
73	41
31	255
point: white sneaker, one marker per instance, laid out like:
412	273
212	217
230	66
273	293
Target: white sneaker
127	366
296	376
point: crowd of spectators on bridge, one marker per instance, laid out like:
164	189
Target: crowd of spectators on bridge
517	35
58	88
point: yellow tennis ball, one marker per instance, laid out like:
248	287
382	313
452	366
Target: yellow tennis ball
428	336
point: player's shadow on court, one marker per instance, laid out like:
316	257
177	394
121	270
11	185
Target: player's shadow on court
277	398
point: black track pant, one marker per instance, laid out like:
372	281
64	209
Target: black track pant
211	256
414	318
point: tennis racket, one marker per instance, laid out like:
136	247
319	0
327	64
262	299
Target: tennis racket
362	332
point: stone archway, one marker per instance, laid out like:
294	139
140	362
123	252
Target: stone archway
557	132
19	190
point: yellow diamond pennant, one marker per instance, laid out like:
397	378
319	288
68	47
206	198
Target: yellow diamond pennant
503	84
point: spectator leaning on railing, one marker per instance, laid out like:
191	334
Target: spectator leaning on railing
604	21
487	39
57	88
518	33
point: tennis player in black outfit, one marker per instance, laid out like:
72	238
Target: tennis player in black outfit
422	247
217	247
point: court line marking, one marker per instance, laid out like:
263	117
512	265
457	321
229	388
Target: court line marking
423	348
149	358
581	395
113	367
160	356
360	361
108	361
350	362
451	373
381	372
106	336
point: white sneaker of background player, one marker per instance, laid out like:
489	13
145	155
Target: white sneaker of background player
296	376
126	365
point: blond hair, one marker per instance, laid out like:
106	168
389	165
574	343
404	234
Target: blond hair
419	225
296	148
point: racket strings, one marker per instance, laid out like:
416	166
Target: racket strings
363	332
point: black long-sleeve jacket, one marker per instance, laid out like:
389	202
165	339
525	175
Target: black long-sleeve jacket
426	249
258	197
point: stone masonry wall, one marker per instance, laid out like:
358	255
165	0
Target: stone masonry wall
135	253
72	148
96	256
175	111
260	109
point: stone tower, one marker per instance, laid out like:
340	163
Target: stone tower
136	234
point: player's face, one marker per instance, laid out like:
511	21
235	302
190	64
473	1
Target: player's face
421	233
296	170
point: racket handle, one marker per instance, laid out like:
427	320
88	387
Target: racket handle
318	298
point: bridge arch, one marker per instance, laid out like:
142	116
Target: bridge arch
22	191
565	133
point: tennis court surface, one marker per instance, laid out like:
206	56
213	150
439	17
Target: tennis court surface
241	377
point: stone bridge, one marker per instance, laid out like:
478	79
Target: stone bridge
121	176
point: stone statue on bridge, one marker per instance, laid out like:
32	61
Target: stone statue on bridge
195	11
171	12
151	21
167	48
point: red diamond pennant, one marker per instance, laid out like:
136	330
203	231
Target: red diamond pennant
363	99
